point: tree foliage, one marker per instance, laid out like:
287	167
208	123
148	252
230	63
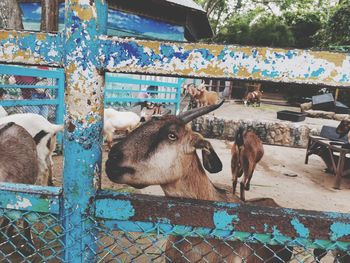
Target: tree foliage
288	23
336	30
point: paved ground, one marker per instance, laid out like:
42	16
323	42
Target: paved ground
266	112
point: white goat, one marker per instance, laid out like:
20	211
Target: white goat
118	121
163	152
3	112
44	135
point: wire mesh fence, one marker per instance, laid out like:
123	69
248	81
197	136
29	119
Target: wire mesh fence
26	94
30	237
163	244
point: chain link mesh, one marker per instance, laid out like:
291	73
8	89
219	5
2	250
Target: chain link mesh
30	237
28	89
159	244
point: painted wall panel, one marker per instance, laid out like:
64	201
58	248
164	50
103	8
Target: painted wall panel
232	62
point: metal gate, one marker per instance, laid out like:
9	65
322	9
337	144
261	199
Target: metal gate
38	91
123	89
82	223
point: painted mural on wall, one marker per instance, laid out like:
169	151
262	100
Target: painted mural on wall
119	24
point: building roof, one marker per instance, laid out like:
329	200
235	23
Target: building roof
180	12
187	3
185	13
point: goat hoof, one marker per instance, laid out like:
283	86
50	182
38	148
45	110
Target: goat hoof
247	187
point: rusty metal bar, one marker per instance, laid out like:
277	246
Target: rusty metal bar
281	222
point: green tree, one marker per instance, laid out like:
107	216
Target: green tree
336	30
271	31
304	25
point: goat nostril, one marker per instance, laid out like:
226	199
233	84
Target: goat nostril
116	155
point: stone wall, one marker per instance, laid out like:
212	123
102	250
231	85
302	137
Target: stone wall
276	133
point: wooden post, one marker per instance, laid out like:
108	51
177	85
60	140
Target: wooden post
49	15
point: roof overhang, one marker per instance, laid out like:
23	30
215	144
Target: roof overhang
185	13
179	12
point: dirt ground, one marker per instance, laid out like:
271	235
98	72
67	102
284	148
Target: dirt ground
281	174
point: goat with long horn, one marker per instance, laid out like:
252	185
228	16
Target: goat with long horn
163	152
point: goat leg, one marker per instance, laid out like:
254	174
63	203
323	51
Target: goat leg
242	192
234	185
248	176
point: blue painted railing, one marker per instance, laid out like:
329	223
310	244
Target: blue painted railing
121	89
57	86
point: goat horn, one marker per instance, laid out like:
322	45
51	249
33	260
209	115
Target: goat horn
190	115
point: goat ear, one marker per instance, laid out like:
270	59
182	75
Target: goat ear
211	160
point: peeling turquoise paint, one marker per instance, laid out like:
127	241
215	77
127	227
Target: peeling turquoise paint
276	232
224	221
299	66
317	73
29	198
266	227
115	209
339	230
28	47
301	230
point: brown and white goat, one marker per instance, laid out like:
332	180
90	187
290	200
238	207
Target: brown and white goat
18	164
18	155
163	152
253	97
343	129
44	134
246	151
205	97
201	96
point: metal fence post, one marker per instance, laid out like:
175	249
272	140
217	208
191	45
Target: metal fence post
60	106
180	81
83	127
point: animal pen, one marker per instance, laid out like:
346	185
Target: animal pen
79	222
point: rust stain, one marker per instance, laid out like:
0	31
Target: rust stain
41	36
83	13
155	46
4	35
335	58
262	52
211	70
333	74
243	72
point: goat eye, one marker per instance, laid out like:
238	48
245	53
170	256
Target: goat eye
172	136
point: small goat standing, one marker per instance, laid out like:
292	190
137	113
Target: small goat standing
247	151
252	97
200	96
163	152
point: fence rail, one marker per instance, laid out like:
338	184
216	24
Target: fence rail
33	90
121	89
